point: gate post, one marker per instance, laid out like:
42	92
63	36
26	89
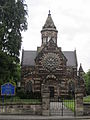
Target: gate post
79	102
45	100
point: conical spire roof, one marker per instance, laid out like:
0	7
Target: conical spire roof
80	68
49	24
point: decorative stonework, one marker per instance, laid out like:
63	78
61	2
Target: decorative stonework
51	61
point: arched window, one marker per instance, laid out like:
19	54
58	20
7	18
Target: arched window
29	86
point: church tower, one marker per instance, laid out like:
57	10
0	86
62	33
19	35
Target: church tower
49	30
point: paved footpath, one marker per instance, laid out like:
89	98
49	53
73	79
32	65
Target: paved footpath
29	117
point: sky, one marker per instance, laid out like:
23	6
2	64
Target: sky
72	20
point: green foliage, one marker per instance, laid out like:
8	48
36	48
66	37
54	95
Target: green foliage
5	65
86	99
28	95
70	104
87	82
9	70
12	22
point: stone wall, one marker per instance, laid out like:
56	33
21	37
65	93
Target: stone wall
79	102
86	108
21	109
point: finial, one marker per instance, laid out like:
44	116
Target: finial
49	12
80	64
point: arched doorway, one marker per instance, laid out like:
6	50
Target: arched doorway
52	83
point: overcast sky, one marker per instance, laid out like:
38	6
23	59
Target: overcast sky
72	20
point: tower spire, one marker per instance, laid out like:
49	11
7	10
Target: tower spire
81	71
49	12
49	30
49	24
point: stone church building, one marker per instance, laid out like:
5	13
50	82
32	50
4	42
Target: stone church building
50	66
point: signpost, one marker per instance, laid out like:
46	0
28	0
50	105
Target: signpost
7	89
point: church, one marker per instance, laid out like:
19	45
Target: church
50	66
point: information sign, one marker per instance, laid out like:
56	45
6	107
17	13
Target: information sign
8	89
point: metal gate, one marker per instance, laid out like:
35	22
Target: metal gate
62	106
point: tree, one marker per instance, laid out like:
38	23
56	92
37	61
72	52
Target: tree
12	22
87	82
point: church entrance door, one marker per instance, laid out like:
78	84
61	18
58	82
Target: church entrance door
51	92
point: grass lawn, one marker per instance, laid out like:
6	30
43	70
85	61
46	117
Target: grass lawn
17	100
86	99
69	104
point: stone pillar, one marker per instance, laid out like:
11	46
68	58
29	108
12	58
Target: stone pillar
45	101
79	102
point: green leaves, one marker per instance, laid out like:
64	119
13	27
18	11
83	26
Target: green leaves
87	82
9	69
12	22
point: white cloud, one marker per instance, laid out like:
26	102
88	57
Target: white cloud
72	19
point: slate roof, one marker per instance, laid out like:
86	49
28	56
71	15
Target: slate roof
29	56
71	57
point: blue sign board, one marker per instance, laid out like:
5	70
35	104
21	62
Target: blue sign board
7	89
